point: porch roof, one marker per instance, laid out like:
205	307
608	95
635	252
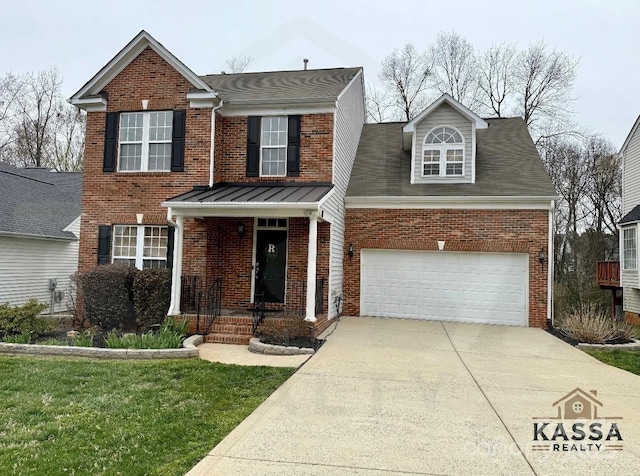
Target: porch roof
250	198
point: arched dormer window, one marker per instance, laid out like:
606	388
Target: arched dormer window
443	153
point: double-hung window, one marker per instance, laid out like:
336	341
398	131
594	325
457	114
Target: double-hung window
629	246
443	153
140	246
145	141
273	147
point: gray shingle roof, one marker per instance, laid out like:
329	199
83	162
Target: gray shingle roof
631	217
38	202
314	85
507	164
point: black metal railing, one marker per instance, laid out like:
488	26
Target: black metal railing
202	299
319	296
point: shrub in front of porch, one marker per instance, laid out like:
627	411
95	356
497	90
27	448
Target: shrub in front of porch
151	296
287	331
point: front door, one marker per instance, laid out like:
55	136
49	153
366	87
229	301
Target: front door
271	264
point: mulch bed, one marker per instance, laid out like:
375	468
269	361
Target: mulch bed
314	344
557	333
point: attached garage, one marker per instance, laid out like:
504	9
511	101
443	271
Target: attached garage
450	286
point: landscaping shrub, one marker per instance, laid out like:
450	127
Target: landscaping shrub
285	330
17	339
594	326
15	320
151	296
165	339
107	295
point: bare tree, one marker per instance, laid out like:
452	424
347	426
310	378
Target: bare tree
454	67
495	79
66	147
37	108
543	84
379	105
11	87
404	74
238	64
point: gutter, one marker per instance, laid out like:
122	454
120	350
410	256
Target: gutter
213	145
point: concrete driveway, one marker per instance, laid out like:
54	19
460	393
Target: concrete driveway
394	396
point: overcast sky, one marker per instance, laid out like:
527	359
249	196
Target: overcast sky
79	37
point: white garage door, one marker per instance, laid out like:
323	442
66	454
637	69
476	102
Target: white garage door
464	287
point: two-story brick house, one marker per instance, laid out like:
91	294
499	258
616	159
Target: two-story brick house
250	178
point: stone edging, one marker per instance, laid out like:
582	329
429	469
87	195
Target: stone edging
258	347
635	345
188	351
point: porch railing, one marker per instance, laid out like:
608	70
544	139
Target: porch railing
202	299
608	273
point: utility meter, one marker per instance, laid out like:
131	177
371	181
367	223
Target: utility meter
52	284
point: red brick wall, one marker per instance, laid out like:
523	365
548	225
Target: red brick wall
316	150
508	231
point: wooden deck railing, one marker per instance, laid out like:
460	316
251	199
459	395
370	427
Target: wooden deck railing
608	273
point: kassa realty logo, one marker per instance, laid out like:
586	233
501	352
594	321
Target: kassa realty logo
577	426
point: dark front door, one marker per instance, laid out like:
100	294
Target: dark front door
271	264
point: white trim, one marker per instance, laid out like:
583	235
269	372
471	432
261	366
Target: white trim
203	99
94	104
176	282
72	224
630	135
473	152
284	146
312	254
439	202
346	88
442	148
139	257
233	110
413	159
126	55
550	264
145	142
633	227
36	237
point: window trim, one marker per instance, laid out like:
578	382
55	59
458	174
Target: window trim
285	146
140	236
635	248
443	147
145	142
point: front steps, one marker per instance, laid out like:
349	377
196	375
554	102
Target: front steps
230	330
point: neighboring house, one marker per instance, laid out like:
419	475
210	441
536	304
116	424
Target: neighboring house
449	217
39	231
244	177
628	224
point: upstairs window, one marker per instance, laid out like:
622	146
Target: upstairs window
629	245
145	141
273	147
443	153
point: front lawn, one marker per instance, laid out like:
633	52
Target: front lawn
623	359
131	417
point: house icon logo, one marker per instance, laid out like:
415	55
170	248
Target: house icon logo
578	404
577	426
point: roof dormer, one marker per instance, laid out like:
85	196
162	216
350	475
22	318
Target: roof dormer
442	141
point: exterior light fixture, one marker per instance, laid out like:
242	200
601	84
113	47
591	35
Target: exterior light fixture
241	230
542	257
350	251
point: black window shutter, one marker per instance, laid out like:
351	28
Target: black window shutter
110	142
104	244
170	241
253	146
177	149
293	147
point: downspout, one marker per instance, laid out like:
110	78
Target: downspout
213	144
550	265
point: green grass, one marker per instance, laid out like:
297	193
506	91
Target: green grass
62	416
623	359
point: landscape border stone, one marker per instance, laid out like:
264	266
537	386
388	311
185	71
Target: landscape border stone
635	345
189	350
258	347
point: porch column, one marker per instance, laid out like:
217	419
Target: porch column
176	275
311	268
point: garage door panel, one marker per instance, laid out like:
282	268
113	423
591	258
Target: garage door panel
464	287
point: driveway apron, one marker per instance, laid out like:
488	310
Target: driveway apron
396	396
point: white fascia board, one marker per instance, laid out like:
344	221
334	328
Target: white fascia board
120	61
202	99
35	237
472	203
93	104
357	76
72	224
468	113
281	109
276	210
630	135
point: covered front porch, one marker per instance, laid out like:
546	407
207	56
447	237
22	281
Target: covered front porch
259	249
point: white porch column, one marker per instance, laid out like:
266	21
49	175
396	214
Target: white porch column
311	268
176	275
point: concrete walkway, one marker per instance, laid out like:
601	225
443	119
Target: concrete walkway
392	396
240	355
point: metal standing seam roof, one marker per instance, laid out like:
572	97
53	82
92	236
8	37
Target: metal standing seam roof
507	164
273	193
313	85
39	202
